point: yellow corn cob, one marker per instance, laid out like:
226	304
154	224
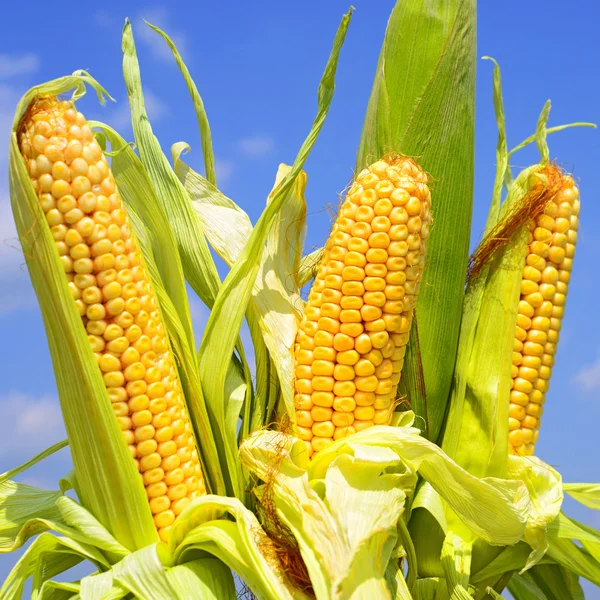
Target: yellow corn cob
351	342
546	275
114	296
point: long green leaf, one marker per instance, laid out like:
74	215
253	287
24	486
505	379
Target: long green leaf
587	494
36	459
195	254
108	481
226	318
208	577
574	558
557	582
207	149
24	511
47	556
423	105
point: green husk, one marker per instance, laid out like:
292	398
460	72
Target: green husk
203	125
423	105
272	313
108	482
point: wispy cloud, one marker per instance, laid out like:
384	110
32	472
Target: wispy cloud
12	65
160	18
588	377
224	170
15	289
256	146
29	423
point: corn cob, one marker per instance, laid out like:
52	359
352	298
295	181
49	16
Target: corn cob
114	296
546	275
351	342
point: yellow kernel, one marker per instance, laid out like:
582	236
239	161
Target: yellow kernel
348	357
323	429
363	343
322	383
343	388
320	353
343	373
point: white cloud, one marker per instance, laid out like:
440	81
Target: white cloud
256	146
15	287
224	171
9	96
13	65
588	377
159	17
29	423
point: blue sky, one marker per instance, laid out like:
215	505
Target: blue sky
258	66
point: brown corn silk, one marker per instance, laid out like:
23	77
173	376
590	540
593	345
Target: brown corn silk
114	295
351	342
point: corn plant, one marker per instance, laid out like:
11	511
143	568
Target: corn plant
385	446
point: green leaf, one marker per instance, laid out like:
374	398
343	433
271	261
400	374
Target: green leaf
228	229
512	558
226	225
143	574
24	511
545	491
430	588
101	586
556	583
86	529
423	105
36	459
208	577
45	558
199	267
523	587
239	542
226	318
574	558
108	481
343	516
456	561
494	509
272	308
207	149
587	494
59	590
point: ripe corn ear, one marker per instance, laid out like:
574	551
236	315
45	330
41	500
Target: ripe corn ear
546	276
114	296
351	342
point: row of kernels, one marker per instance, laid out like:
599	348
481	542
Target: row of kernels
110	287
546	275
356	302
